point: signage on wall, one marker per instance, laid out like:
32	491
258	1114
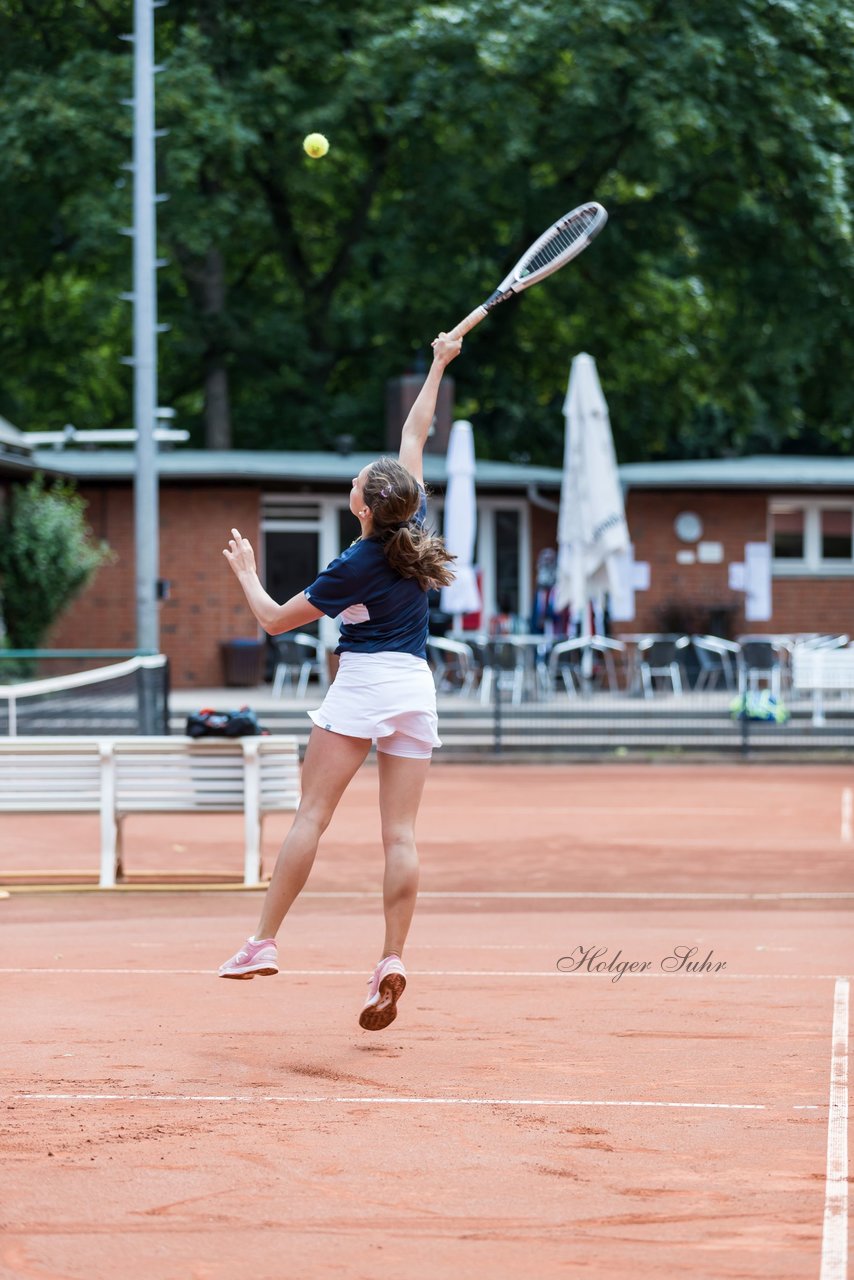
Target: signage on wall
629	576
753	577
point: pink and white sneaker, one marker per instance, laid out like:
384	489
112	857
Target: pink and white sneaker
253	957
384	990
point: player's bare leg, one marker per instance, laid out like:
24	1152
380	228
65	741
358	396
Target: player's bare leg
331	760
401	788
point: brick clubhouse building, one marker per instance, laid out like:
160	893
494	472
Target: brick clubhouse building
690	523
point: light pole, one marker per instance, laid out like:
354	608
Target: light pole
145	329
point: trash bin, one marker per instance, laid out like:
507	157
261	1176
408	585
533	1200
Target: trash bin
243	662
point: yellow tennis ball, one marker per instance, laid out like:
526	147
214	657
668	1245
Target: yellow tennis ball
315	145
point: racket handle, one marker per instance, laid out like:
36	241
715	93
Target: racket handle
473	318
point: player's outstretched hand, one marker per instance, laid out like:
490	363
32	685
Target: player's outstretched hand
239	554
446	349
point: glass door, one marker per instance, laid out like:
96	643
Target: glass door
290	563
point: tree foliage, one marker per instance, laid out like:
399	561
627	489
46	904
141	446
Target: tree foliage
717	302
47	556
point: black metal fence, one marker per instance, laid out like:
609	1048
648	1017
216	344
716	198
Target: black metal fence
676	725
661	694
604	725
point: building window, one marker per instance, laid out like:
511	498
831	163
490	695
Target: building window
787	525
835	534
503	557
290	561
289	506
811	536
349	528
507	557
290	547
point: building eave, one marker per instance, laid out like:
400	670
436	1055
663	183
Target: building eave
309	468
761	472
321	470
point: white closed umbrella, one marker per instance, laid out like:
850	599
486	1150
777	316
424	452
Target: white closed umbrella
462	595
593	538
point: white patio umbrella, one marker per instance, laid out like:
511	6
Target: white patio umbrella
462	596
593	538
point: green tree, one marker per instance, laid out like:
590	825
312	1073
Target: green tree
717	302
47	556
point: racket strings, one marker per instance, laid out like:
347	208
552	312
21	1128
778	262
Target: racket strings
562	240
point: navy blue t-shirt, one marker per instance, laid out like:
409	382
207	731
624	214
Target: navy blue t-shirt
380	611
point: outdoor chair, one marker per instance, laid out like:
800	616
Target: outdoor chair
762	659
505	665
454	667
300	656
658	659
718	661
565	665
822	642
566	662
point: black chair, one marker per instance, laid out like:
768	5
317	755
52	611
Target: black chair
566	662
453	663
718	659
301	656
506	665
762	659
658	659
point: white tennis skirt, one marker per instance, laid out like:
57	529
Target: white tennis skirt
381	696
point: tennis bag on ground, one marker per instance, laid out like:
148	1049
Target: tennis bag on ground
223	724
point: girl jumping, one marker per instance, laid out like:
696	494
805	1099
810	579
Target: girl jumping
383	691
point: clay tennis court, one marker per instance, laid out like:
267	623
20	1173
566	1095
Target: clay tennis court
518	1119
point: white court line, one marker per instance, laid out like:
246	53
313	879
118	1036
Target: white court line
451	973
834	1241
544	811
576	895
379	1101
845	816
513	895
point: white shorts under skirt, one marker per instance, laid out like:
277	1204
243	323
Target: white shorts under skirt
387	697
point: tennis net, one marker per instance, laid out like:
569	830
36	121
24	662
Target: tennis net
127	698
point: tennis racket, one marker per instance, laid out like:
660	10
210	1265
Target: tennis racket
564	240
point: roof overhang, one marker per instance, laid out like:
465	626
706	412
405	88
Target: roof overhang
314	468
741	473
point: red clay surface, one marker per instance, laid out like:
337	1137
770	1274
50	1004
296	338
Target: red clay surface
605	828
515	1120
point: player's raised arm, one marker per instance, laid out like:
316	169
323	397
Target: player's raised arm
274	618
417	425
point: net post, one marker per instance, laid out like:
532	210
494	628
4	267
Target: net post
496	714
165	691
745	731
152	700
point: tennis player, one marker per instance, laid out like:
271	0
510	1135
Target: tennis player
383	692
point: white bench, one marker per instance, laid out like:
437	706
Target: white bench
119	776
820	671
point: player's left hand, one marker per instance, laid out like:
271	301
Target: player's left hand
446	349
239	554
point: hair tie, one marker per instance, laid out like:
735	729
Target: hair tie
391	529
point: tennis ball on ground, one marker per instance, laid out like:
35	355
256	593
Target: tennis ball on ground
315	145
